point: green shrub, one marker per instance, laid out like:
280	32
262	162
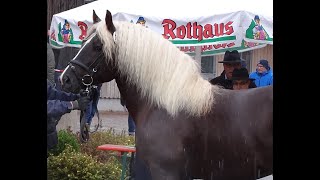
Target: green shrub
105	137
65	137
84	161
70	165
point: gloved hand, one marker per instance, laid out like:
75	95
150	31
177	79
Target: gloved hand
81	103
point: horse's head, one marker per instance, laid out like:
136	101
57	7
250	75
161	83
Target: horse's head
92	64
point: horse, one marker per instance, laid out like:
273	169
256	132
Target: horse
185	127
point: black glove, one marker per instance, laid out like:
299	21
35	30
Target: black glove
81	103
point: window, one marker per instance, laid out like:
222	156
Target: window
207	64
247	56
208	67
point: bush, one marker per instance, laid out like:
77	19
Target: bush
73	160
106	137
65	137
70	165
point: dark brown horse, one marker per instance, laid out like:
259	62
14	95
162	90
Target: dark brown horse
186	127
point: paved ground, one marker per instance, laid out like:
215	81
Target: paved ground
115	120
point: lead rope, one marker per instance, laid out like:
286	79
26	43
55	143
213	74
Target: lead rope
95	104
84	129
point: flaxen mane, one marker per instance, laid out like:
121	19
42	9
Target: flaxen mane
166	76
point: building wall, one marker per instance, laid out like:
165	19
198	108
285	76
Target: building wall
110	90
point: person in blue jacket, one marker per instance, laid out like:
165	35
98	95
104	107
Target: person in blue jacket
58	104
263	75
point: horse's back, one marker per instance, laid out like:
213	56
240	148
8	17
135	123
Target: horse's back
235	135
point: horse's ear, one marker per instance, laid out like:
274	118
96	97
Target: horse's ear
95	18
109	22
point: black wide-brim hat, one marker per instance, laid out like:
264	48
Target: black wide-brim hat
241	74
231	57
242	78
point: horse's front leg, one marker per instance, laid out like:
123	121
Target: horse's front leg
160	141
159	172
165	169
164	162
162	151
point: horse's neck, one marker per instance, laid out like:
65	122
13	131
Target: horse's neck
134	102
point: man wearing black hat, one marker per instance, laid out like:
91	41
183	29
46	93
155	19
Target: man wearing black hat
230	62
240	79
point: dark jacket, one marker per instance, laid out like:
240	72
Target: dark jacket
222	81
50	63
58	104
227	84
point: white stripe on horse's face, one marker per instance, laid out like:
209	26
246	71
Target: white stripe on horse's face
93	35
63	74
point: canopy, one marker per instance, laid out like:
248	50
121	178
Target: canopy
214	25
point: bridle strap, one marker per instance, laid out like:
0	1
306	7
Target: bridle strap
88	69
84	128
80	64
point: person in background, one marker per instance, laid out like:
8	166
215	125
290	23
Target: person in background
230	62
240	79
58	104
263	76
243	63
50	64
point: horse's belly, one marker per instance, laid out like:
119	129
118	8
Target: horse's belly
220	160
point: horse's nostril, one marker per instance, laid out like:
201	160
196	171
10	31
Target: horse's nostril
66	79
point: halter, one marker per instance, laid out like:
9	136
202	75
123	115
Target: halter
86	79
84	130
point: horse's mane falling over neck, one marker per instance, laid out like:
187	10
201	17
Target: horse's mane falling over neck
163	74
